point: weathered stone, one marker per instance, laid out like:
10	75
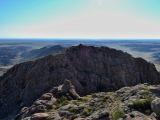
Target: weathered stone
49	105
155	106
67	107
46	96
37	109
27	118
55	89
54	115
69	98
98	115
39	116
126	116
154	89
63	112
67	81
73	94
40	102
23	110
66	88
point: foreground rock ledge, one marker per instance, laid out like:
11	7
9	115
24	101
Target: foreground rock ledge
127	103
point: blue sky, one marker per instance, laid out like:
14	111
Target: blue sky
80	19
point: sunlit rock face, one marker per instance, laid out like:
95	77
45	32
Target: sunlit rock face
90	69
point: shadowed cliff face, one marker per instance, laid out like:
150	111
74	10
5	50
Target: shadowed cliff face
90	69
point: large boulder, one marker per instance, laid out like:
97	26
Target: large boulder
155	106
73	93
46	96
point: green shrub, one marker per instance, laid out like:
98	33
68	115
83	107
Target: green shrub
63	98
48	110
73	117
147	92
72	109
93	95
144	88
111	93
75	102
102	98
89	108
148	112
67	94
58	106
118	114
48	118
85	111
60	102
82	107
65	102
143	104
81	99
139	104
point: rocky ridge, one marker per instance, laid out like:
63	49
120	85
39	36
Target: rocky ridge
90	69
63	103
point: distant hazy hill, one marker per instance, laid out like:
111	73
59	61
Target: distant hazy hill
36	53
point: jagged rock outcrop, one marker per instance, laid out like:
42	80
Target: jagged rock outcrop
45	102
127	103
90	69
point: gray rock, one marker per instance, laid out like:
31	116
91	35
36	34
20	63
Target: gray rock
26	118
130	104
124	108
154	89
49	105
154	116
67	107
54	115
155	106
98	115
64	112
23	110
126	116
37	109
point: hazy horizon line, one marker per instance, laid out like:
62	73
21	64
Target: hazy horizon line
77	39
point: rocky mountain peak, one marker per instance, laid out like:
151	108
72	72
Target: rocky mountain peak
90	69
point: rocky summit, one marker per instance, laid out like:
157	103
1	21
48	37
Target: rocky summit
138	102
90	70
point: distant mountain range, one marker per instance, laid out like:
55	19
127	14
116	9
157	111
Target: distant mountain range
10	56
36	53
